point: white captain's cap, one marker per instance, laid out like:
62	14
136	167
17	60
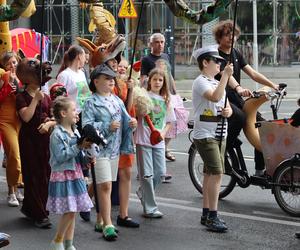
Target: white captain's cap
211	50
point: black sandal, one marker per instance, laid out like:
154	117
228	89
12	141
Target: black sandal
127	222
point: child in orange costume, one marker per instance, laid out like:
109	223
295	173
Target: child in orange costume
124	90
10	126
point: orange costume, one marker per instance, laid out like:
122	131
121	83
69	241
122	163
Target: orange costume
125	161
9	128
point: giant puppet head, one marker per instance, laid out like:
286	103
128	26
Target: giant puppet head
30	68
104	52
108	44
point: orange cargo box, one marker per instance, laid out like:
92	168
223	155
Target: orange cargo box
279	142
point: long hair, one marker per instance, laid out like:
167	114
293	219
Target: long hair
6	56
69	56
164	91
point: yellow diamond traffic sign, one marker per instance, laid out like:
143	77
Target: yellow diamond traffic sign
127	10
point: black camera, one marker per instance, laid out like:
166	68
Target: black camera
91	134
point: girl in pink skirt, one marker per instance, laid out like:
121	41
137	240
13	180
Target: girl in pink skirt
67	190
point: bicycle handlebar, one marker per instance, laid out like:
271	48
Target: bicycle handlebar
278	94
282	86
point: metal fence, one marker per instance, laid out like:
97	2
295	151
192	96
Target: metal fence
278	28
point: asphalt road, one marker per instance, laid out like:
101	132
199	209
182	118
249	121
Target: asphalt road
254	219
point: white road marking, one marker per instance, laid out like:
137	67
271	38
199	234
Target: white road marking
275	215
169	200
290	99
180	204
280	114
235	215
2	179
288	114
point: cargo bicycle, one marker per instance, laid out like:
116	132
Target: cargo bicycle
280	145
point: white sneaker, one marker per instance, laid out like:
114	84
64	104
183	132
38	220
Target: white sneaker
20	196
12	200
70	248
57	246
156	214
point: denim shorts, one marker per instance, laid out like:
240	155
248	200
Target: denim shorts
211	155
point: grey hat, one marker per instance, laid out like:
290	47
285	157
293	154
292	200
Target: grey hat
211	50
102	69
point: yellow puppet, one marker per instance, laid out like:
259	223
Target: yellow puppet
11	12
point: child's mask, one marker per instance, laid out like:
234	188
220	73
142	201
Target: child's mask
46	70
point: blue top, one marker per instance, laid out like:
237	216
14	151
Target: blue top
97	113
63	149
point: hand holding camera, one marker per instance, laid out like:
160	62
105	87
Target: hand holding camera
85	144
90	134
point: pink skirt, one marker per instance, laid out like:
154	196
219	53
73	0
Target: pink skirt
182	116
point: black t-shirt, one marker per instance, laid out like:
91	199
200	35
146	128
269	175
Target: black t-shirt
238	64
296	118
148	62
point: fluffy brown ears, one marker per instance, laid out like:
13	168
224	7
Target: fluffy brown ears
86	43
97	52
21	54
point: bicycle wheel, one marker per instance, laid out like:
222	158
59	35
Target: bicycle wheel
195	165
288	197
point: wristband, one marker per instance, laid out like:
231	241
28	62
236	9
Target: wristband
237	86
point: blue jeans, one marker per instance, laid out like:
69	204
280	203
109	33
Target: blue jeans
151	164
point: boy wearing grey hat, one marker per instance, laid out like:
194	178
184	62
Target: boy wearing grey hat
107	113
210	130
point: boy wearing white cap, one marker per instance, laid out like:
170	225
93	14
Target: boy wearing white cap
209	132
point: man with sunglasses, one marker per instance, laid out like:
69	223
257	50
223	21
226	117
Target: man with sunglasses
223	33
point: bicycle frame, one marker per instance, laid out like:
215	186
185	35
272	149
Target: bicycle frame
240	171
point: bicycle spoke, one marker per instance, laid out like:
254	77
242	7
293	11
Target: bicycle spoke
287	195
197	176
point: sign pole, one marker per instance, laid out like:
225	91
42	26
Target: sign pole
126	38
127	10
